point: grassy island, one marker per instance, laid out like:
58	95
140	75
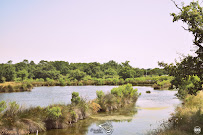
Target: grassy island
17	120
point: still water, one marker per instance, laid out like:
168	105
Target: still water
148	113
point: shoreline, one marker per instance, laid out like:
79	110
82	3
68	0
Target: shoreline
160	82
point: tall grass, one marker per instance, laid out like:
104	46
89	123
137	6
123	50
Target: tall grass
186	117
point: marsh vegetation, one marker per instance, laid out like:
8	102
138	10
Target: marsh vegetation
15	119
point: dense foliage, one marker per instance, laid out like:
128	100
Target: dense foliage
61	70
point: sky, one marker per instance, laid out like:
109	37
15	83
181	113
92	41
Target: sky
141	32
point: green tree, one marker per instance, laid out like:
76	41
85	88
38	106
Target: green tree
192	15
190	66
110	71
7	71
126	71
75	98
77	74
23	74
61	66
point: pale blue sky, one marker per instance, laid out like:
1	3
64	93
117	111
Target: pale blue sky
92	30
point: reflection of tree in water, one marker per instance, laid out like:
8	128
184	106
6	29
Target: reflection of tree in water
82	126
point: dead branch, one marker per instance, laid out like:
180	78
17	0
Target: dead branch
176	5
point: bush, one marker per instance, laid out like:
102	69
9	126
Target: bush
10	88
13	108
23	87
3	79
129	80
121	81
2	106
95	107
100	81
87	77
162	84
40	80
99	94
10	117
83	107
50	82
73	115
54	112
115	81
118	97
17	79
80	83
75	98
29	85
62	82
190	85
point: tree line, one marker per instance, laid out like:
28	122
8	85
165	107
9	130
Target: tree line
72	71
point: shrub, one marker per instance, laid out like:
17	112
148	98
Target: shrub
125	91
54	112
50	82
94	107
75	98
87	77
190	85
73	115
17	79
40	80
23	87
99	94
10	88
112	101
10	117
129	80
62	82
3	79
2	106
121	81
115	81
162	84
100	81
80	83
117	92
13	108
29	85
83	107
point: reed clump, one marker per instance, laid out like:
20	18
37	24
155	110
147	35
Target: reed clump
118	97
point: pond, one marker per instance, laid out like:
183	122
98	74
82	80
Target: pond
148	113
